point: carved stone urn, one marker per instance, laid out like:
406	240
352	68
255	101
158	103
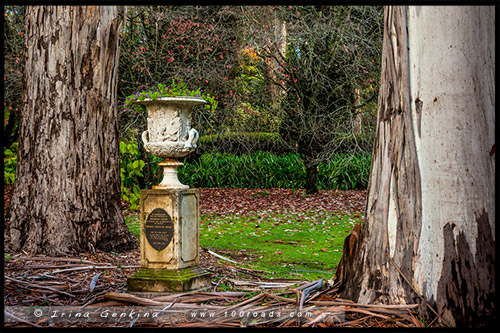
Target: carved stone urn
170	135
170	216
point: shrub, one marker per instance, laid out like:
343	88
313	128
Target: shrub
345	171
10	162
267	170
130	170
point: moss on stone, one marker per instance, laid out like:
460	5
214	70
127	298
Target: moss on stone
161	280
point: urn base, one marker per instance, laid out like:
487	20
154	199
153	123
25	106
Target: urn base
170	179
165	280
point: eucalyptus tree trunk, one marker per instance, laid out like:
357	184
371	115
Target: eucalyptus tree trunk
429	231
280	41
66	197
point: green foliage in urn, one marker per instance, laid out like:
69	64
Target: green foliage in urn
176	88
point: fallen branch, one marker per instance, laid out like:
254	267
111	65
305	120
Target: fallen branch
247	271
10	315
355	322
129	298
93	267
89	300
415	320
280	298
262	284
122	297
324	307
41	266
78	260
324	316
370	313
248	301
382	306
219	282
39	286
223	258
193	297
307	290
415	290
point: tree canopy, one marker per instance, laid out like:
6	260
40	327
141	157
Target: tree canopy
300	79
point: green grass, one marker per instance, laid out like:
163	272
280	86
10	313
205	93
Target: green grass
296	246
283	245
133	222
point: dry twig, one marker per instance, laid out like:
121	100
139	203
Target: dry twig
11	316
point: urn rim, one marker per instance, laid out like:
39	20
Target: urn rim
181	99
168	149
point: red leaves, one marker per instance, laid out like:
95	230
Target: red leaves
242	201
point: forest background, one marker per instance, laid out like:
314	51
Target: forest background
295	91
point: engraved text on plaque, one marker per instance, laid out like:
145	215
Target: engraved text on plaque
159	229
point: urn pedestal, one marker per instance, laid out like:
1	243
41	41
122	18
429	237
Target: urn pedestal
169	243
169	237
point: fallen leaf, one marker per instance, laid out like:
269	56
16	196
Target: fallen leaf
276	200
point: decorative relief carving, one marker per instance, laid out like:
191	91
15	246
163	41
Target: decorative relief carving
169	131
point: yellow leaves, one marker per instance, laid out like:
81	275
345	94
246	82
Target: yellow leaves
250	52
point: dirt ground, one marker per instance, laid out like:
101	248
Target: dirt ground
98	280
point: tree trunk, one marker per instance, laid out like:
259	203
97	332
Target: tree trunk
66	197
277	92
358	126
311	185
429	233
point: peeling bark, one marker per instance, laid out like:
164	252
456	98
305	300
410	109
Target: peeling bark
66	196
394	188
428	234
469	291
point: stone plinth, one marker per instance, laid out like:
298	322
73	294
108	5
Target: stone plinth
169	243
162	280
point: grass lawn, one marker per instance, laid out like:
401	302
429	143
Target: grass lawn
306	245
292	245
133	222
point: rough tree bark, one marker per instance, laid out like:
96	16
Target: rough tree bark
66	197
429	230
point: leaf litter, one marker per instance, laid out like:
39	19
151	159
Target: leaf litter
245	201
98	279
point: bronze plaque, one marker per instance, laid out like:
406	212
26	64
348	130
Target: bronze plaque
159	229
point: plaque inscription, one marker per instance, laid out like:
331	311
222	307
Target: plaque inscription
159	229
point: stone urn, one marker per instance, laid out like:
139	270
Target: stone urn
170	214
170	135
